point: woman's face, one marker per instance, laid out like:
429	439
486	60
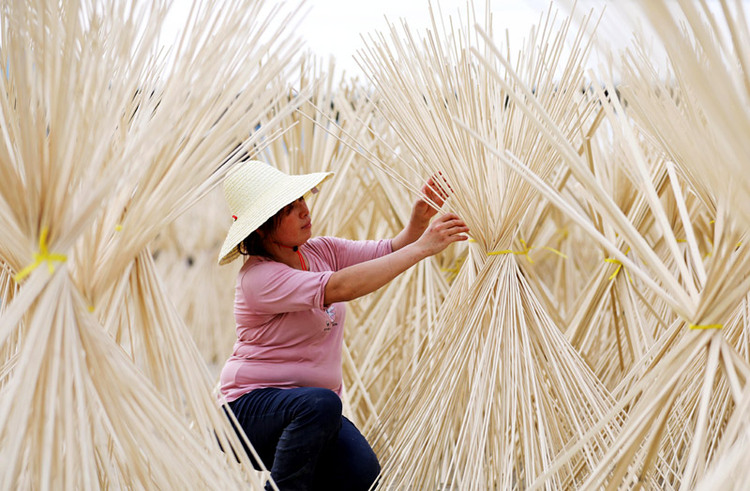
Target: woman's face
295	226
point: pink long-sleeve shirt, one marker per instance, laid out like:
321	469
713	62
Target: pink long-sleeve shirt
286	336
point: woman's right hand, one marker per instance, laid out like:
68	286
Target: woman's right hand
442	232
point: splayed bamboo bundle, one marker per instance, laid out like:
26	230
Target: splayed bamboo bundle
512	391
89	396
698	126
81	187
632	460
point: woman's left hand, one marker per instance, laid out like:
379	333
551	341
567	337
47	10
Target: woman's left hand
437	192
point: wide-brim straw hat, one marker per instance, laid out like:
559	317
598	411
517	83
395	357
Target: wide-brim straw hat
256	191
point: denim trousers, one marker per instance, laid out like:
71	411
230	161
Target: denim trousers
302	437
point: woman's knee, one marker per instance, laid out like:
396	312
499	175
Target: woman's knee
325	400
322	405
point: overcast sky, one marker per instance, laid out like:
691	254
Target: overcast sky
334	27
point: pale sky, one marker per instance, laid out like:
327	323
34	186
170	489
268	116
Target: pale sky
334	27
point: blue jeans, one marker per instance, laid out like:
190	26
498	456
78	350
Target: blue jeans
302	437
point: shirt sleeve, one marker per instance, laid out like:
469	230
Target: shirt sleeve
341	253
274	288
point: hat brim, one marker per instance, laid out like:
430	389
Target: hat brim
295	187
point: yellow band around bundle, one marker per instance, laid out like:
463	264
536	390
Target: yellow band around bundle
620	267
525	251
40	257
453	272
706	326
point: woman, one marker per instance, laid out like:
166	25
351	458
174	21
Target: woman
283	381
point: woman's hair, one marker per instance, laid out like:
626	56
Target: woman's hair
252	245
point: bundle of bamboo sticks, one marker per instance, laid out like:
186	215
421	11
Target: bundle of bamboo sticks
103	144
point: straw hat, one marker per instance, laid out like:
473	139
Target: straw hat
255	191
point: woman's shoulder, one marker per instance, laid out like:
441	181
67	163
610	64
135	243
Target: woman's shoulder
325	246
259	265
327	243
322	252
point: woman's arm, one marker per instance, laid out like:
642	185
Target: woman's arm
363	278
421	214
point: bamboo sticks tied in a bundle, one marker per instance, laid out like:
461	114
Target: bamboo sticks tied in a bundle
507	387
103	145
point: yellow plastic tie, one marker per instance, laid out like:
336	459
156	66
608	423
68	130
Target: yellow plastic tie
561	254
706	326
525	251
504	251
453	272
91	308
40	257
619	267
118	227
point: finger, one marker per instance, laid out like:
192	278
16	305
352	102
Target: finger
449	216
445	227
441	223
438	187
443	181
439	190
456	222
457	230
432	191
452	224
